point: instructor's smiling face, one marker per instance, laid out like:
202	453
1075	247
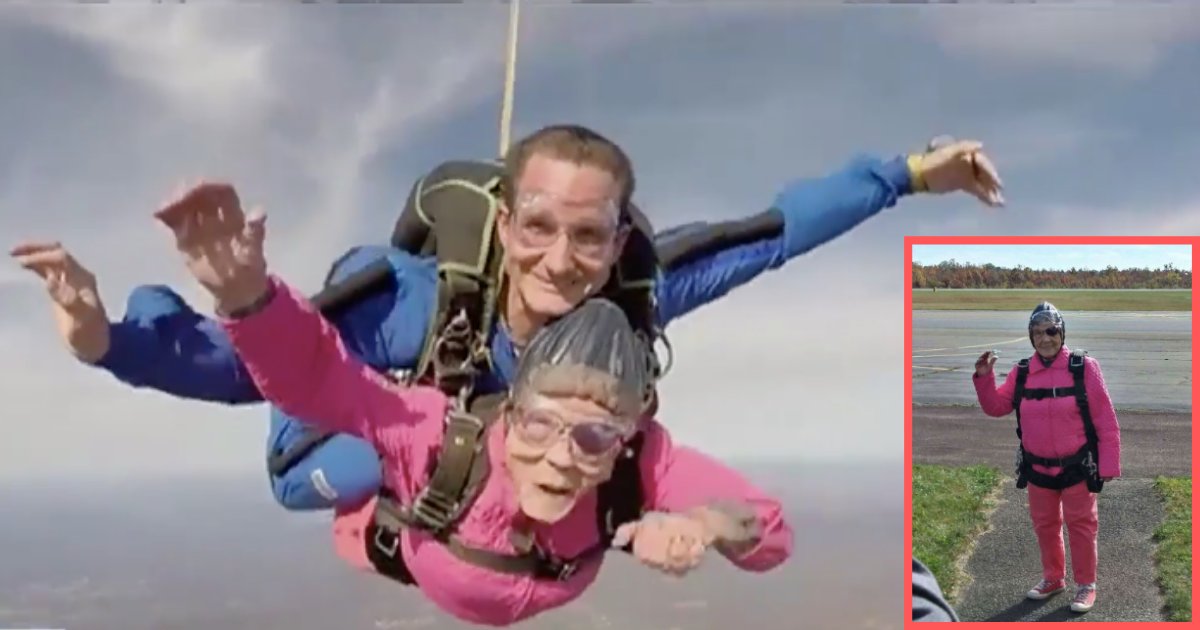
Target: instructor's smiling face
564	235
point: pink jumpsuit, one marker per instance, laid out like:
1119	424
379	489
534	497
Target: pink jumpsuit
1053	428
298	362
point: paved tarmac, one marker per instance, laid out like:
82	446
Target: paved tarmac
1146	357
1146	360
1006	562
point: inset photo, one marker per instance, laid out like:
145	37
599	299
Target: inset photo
1051	429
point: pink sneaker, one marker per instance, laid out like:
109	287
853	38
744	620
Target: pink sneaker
1046	588
1085	598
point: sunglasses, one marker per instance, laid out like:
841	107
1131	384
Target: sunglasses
589	440
1052	331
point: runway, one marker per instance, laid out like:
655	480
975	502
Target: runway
1146	357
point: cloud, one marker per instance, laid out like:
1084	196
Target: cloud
1040	138
1170	218
295	105
1130	39
270	102
310	109
777	369
201	62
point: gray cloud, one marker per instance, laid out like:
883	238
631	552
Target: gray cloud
325	116
1129	38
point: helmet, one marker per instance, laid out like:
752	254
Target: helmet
1046	313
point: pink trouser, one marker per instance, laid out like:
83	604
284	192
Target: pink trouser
1047	509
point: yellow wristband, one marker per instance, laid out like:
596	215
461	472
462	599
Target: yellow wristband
916	173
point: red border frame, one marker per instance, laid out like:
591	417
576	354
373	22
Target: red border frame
909	241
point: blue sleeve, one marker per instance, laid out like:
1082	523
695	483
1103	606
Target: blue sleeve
385	329
815	211
163	344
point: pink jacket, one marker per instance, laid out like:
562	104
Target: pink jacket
1052	427
298	362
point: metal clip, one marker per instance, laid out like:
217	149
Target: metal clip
387	549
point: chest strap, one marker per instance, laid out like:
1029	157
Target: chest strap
383	550
619	501
1040	393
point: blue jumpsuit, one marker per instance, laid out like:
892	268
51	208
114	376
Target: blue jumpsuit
165	345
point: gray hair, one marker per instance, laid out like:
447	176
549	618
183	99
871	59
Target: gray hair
591	352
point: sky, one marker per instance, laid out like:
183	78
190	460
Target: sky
325	115
1062	257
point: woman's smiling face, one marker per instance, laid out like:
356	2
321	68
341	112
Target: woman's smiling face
1047	339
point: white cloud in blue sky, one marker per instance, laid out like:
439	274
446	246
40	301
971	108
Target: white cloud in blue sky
325	114
1059	256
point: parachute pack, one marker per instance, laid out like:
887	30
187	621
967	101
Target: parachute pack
1084	464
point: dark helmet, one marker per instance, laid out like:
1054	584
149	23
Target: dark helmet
1047	313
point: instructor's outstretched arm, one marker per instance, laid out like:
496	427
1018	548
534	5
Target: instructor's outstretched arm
705	261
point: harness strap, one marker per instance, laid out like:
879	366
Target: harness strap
1019	392
1039	393
1061	462
1067	478
621	499
460	470
383	551
1077	367
1084	464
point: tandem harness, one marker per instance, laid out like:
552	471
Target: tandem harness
451	214
459	475
1084	464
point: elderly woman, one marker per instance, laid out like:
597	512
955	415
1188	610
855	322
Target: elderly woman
1070	444
527	538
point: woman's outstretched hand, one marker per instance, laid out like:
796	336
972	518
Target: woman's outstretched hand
983	366
672	543
222	247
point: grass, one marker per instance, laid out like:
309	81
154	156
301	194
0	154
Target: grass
1024	300
1173	557
950	506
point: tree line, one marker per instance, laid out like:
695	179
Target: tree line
955	275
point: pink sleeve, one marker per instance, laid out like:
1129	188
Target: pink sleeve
1104	417
995	401
678	478
299	364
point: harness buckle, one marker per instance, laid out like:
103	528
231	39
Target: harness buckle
388	549
548	566
557	570
566	570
